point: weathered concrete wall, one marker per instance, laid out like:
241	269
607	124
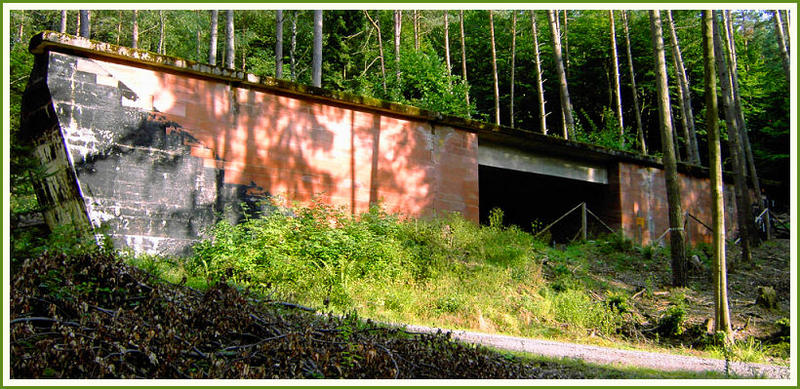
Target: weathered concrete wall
159	155
644	213
158	148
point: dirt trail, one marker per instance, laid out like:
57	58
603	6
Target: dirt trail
611	356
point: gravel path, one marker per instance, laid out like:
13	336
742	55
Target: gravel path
612	356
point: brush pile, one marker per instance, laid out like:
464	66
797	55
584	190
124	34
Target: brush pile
92	316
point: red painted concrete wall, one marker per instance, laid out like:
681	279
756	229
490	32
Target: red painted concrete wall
644	211
300	148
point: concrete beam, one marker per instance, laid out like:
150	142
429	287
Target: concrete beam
514	159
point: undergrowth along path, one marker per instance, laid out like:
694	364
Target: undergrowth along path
611	356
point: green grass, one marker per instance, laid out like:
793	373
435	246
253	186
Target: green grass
445	271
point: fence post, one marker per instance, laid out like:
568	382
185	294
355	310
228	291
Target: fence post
583	221
768	224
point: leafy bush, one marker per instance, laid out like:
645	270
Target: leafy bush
321	252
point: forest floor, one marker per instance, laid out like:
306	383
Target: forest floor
770	268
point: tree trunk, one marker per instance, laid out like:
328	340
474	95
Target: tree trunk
677	236
638	116
198	36
21	30
398	22
782	44
316	79
415	22
566	43
721	313
617	91
85	28
278	43
78	24
62	28
161	32
513	60
566	105
494	71
463	58
743	206
787	29
230	46
447	42
380	47
538	68
748	151
687	116
293	47
119	26
212	46
135	33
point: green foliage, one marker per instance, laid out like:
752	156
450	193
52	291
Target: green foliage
496	218
673	320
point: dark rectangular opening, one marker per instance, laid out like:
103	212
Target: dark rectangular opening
527	198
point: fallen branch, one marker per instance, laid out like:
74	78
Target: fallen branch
291	305
391	356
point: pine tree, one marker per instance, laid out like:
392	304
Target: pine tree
494	71
617	91
721	313
212	45
677	236
566	105
639	130
279	43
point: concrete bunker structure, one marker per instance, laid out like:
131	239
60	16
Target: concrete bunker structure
157	148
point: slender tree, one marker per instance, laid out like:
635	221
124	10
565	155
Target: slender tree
135	33
198	36
782	44
279	43
566	42
21	30
463	58
513	61
380	47
494	71
743	205
634	92
316	79
293	47
721	313
687	116
119	26
63	25
742	123
229	40
538	69
415	23
161	25
677	236
85	27
447	42
617	91
566	105
563	118
787	29
398	22
212	45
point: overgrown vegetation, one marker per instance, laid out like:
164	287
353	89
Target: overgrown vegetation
445	272
86	314
449	272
